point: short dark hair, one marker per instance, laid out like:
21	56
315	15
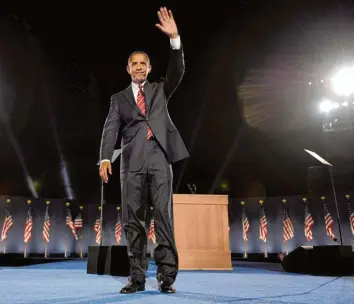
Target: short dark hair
138	52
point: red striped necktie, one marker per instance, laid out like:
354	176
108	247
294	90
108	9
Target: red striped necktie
141	106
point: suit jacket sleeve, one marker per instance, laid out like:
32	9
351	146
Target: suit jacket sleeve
110	131
176	69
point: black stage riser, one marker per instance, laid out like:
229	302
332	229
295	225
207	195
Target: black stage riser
17	260
108	260
334	260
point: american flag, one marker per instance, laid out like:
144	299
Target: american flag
351	216
308	224
288	230
151	233
46	227
6	225
28	227
328	221
78	223
97	228
262	225
70	223
118	230
245	224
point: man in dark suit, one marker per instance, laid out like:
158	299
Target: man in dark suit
150	144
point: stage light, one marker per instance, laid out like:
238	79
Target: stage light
343	81
345	104
310	83
326	106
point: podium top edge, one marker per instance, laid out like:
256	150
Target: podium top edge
196	199
212	195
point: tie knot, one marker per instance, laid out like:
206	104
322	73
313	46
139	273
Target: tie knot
140	87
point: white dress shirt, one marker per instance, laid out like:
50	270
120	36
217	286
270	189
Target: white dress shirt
175	45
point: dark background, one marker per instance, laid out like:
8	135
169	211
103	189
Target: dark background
245	108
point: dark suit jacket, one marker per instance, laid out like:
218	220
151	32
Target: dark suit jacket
125	113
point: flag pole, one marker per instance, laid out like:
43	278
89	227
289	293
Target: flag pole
245	249
45	218
25	251
81	249
351	214
265	250
261	202
118	215
116	153
8	201
81	234
101	219
67	204
305	201
286	243
286	247
245	242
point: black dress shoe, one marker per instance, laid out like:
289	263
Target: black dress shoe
133	287
166	288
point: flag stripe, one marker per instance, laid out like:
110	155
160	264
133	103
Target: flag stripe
28	226
288	229
245	224
351	216
46	227
97	228
6	225
262	225
70	223
118	229
151	233
328	221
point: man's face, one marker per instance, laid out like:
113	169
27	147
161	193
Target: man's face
138	67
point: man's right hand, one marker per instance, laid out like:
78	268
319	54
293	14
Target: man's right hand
104	167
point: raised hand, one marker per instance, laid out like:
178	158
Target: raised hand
167	23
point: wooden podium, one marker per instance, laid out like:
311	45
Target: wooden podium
201	231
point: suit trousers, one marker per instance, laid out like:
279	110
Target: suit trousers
155	179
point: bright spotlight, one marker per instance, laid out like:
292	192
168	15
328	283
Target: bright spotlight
345	104
343	81
326	106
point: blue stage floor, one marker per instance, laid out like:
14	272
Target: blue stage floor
67	282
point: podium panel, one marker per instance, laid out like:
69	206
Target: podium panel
201	232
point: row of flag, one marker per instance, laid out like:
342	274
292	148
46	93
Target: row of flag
74	226
287	225
77	224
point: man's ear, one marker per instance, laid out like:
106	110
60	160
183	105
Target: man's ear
149	68
127	68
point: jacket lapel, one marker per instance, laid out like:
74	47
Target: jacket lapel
128	94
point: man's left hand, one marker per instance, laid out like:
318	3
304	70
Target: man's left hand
167	23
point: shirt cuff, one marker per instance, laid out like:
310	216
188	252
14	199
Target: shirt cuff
105	160
175	43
